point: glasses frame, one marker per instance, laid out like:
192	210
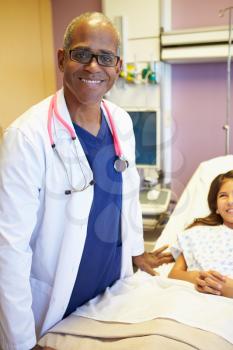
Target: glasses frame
96	56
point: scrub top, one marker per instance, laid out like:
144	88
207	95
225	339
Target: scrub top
100	264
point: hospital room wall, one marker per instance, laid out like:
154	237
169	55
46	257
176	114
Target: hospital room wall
26	60
198	96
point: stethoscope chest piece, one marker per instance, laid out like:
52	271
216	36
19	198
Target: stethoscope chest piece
121	164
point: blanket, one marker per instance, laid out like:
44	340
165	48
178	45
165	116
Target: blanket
78	333
142	297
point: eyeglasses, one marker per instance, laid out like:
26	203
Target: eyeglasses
85	57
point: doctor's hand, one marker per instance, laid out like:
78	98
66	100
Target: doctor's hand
148	261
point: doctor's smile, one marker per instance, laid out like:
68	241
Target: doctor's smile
91	82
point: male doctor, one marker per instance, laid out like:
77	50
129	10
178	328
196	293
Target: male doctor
70	220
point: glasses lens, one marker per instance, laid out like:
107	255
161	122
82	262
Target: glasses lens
85	57
81	56
107	60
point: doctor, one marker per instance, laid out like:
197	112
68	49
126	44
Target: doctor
70	220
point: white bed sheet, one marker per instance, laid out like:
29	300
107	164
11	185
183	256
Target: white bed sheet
143	297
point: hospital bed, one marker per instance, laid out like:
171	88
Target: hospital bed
141	316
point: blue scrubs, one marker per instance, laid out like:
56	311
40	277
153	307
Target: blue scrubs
100	264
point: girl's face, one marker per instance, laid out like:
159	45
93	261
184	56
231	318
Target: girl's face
225	202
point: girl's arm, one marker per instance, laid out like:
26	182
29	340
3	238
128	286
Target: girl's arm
179	271
210	282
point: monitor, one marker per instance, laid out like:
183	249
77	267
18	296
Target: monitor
146	130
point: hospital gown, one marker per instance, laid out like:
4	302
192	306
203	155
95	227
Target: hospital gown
206	248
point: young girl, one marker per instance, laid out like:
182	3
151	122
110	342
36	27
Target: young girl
204	252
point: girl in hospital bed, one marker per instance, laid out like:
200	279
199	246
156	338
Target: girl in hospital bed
204	251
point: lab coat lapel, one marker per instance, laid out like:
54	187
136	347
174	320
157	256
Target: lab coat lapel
131	211
77	166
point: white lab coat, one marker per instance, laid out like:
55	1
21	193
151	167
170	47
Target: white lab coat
42	230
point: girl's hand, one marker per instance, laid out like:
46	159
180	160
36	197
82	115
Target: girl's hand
211	282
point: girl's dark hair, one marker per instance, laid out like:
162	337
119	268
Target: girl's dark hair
213	219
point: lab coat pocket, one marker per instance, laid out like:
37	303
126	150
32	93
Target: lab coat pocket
41	294
131	210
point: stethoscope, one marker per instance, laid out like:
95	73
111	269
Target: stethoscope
120	164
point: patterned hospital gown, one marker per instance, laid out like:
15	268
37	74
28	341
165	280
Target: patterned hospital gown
206	248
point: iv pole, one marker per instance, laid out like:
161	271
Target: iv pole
226	127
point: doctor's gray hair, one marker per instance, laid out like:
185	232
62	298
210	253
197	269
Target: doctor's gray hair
86	17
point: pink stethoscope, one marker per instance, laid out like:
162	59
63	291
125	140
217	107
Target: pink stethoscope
120	164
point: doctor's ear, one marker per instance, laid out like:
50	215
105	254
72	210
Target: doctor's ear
61	55
119	67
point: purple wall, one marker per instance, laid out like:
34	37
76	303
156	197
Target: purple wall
199	113
63	13
198	97
198	13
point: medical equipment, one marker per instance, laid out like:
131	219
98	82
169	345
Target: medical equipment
146	130
120	163
226	126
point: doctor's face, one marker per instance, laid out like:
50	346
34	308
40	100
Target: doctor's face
86	83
